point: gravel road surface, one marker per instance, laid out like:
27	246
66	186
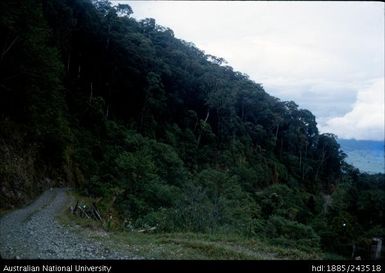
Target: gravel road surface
34	233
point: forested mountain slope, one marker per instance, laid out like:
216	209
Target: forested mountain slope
165	134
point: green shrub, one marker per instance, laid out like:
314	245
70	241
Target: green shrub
214	201
279	227
281	200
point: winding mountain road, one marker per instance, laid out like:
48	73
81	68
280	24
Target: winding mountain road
34	233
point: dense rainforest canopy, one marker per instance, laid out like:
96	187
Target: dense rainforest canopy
170	136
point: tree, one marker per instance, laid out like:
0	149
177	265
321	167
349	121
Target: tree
329	161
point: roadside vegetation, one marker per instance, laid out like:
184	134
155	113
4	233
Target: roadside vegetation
164	137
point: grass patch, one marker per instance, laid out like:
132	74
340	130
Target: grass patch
204	247
190	246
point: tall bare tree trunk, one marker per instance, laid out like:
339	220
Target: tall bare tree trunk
200	133
276	135
8	48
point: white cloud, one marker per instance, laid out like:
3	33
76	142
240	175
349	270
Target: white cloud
366	120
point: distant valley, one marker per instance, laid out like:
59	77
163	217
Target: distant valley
366	155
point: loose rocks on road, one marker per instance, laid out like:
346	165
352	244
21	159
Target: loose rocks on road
34	233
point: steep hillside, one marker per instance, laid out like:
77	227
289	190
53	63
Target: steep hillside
164	135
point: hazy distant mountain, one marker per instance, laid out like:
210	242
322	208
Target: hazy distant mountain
366	155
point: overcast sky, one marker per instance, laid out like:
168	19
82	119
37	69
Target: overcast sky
328	57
